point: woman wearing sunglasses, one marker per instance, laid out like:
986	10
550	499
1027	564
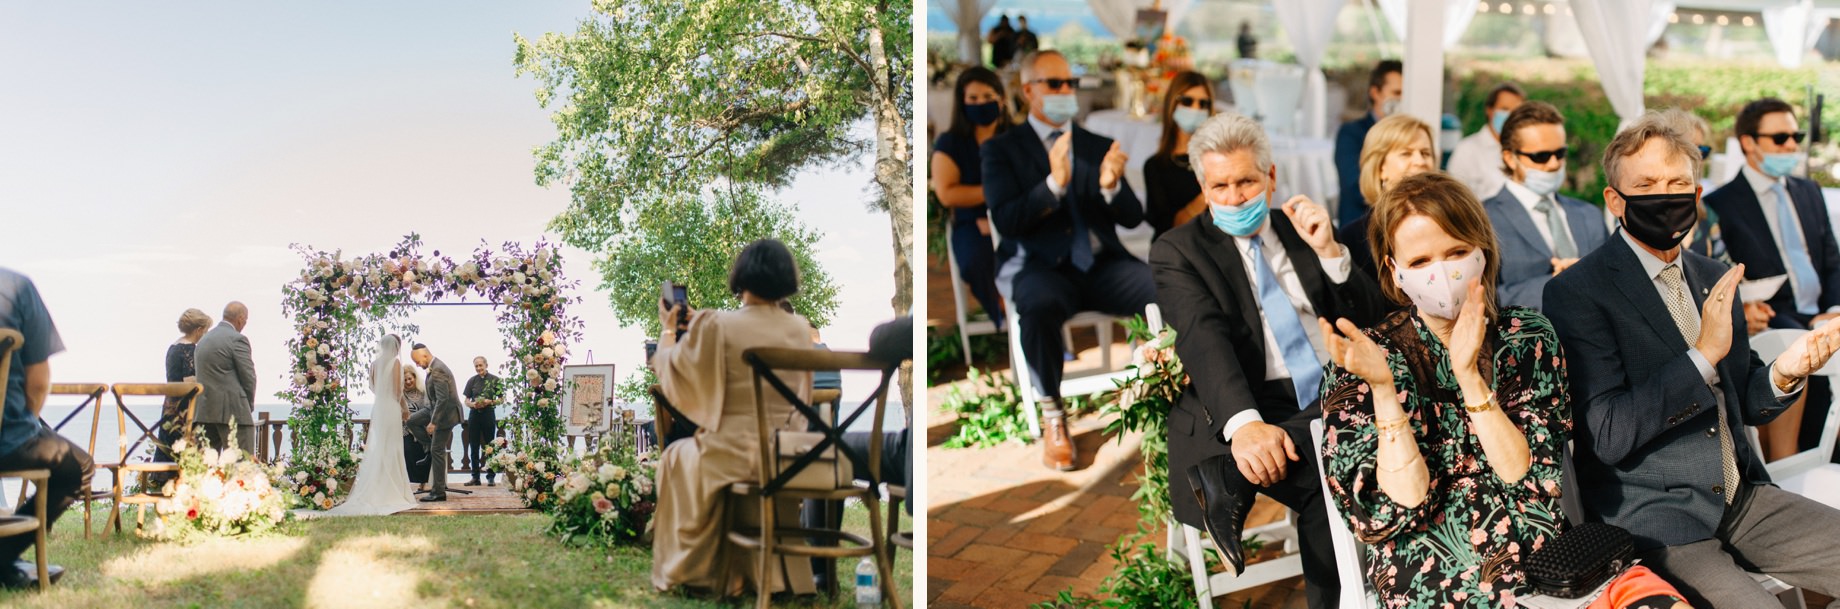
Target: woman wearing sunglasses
1444	426
1171	194
1398	146
979	112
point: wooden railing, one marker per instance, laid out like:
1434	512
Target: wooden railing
274	438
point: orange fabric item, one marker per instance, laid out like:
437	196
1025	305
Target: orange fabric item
1633	585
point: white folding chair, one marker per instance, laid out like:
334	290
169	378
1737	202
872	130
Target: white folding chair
966	327
1808	473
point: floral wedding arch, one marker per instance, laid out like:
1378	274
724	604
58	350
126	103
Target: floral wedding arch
342	307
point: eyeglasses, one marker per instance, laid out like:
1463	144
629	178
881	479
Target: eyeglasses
1784	137
1705	152
1542	156
1195	102
1059	83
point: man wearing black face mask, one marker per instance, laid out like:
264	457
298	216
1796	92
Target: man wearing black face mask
1663	388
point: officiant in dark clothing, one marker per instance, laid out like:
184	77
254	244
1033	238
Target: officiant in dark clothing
414	454
482	393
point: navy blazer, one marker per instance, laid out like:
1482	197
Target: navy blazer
1348	142
1748	240
1204	293
1646	442
1024	210
1526	261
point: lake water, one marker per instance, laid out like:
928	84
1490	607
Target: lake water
109	437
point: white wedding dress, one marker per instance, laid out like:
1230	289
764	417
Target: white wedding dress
383	479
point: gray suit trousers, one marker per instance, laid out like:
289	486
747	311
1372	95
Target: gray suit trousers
218	434
1779	533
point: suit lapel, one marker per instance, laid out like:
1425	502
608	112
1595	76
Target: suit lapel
1521	222
1304	262
1639	288
1578	222
1224	252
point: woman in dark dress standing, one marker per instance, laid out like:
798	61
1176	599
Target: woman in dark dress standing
180	368
1172	192
979	111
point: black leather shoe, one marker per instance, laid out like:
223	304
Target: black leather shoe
473	482
433	498
30	571
1225	498
14	579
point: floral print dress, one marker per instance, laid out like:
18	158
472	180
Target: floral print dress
1462	546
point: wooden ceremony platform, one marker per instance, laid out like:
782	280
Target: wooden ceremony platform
484	500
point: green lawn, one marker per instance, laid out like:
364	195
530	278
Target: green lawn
383	561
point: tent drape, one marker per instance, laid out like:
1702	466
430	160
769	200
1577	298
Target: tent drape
1457	15
1793	29
966	14
1310	24
1614	32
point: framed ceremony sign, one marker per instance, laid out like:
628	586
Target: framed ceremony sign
585	390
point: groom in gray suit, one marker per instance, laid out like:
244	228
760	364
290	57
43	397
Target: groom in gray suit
229	379
434	427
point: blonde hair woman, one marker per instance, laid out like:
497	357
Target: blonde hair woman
1397	147
181	367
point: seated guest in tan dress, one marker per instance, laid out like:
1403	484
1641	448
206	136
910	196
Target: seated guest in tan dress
703	375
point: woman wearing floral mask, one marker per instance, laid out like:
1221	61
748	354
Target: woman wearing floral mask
979	112
1445	425
1171	194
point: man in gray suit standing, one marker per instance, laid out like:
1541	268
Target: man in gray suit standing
443	413
1663	389
229	378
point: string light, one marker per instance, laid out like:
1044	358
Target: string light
1748	21
1507	9
1550	9
1482	7
1723	20
1699	19
1527	9
1673	17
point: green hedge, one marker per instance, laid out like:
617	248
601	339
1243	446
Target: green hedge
1714	91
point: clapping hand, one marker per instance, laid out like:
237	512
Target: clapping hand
1715	318
1466	334
1111	169
1312	222
1354	351
1807	354
1060	160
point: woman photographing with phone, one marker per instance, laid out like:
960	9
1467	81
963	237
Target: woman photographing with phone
1445	425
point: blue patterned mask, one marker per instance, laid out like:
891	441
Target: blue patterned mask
1242	220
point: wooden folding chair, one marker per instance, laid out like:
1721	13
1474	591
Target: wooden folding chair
92	401
896	536
188	395
14	524
772	540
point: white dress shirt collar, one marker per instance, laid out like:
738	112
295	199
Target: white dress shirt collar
1043	129
1651	264
1760	183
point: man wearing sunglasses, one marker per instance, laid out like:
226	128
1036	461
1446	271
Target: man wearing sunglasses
1541	232
1059	191
1775	223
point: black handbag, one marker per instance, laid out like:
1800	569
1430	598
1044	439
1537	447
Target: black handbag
1580	560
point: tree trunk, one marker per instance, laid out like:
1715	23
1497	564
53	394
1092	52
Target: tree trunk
894	173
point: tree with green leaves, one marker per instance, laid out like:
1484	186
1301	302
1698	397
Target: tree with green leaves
658	99
693	241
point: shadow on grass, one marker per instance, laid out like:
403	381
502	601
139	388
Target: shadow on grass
374	561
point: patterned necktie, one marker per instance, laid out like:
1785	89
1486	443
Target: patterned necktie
1080	252
1293	343
1808	284
1684	318
1562	246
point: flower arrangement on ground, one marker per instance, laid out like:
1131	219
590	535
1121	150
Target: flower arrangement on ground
531	474
606	497
318	479
218	493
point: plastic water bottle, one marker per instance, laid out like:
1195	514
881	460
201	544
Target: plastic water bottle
868	593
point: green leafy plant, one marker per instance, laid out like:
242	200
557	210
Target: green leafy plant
1142	405
989	411
1144	578
606	498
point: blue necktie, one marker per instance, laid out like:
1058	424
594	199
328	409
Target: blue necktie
1081	253
1299	356
1808	291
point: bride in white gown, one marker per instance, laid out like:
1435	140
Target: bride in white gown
383	478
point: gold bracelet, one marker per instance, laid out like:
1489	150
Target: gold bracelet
1402	467
1391	429
1485	406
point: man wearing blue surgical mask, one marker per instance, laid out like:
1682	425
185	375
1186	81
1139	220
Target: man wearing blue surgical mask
1541	231
1775	223
1243	286
1474	161
1058	191
1385	86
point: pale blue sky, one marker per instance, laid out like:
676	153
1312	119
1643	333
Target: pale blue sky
159	156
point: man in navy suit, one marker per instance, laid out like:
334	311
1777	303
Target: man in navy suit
1775	223
1541	231
1663	388
1058	190
1385	85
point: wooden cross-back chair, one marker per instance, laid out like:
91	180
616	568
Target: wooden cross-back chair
92	401
771	539
10	341
188	395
